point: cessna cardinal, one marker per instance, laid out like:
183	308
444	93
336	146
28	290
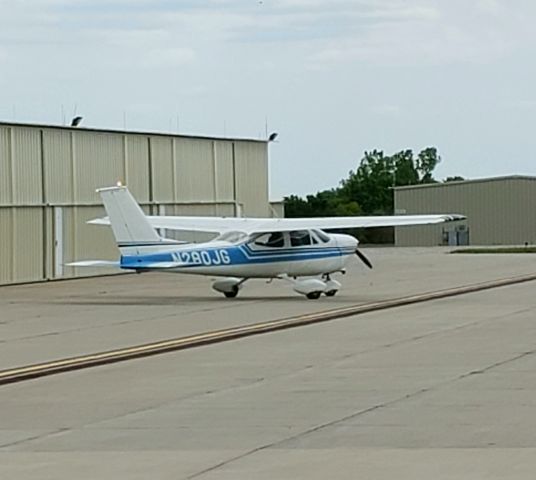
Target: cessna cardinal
294	249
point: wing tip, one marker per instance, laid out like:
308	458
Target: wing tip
454	217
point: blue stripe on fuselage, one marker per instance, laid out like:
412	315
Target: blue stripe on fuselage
232	255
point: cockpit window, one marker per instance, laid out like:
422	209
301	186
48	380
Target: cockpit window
300	238
322	236
271	240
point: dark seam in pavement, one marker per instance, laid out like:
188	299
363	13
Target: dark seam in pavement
35	437
361	412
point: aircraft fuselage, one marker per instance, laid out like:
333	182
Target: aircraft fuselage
251	258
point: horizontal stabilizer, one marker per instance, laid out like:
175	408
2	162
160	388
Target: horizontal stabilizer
135	264
94	263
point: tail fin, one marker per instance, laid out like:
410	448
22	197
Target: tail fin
131	228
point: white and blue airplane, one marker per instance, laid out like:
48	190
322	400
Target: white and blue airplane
294	249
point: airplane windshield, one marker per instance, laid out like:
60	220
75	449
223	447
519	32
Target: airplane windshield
232	237
322	236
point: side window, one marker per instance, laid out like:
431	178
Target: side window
300	238
272	240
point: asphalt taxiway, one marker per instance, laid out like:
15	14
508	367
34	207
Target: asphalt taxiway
42	322
443	389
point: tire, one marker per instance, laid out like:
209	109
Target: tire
313	295
330	293
231	294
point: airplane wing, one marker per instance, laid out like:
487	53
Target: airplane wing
253	225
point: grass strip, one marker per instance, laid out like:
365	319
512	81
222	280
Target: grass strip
496	250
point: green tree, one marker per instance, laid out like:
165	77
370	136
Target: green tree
369	189
370	184
327	203
405	172
427	161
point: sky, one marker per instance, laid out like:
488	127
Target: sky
334	78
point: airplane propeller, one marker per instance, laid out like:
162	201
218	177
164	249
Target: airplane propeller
362	257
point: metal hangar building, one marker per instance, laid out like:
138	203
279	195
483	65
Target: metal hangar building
48	177
499	210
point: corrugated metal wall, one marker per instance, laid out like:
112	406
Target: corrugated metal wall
500	211
48	177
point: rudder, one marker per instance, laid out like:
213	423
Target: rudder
128	221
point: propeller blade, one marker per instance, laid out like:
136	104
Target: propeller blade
364	259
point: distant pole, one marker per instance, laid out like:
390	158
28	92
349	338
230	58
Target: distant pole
62	115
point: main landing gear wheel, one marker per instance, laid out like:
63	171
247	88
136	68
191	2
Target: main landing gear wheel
330	293
231	294
313	295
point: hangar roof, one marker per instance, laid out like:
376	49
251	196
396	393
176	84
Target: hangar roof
472	180
129	132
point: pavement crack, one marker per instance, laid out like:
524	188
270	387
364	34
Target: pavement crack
373	408
34	437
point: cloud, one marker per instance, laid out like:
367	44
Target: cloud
526	105
492	7
167	57
387	110
397	34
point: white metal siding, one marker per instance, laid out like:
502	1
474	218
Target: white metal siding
6	245
26	166
163	169
58	166
194	171
251	163
223	166
137	166
6	178
98	162
27	224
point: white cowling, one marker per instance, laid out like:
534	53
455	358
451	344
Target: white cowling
310	285
227	285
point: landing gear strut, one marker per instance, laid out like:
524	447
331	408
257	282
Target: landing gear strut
332	286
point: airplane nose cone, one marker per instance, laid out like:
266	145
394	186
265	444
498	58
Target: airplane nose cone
351	241
347	241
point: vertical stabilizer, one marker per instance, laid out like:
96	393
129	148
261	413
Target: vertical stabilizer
129	224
